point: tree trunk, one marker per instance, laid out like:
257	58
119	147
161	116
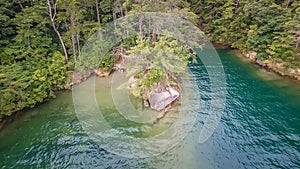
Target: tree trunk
20	4
52	18
141	28
73	45
149	28
121	9
154	35
126	11
115	18
78	44
98	12
289	3
62	43
237	5
73	38
298	42
156	4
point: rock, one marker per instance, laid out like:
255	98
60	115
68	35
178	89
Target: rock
132	85
160	115
251	55
78	77
3	122
159	101
292	71
97	71
131	79
281	73
132	82
260	63
279	65
101	73
146	103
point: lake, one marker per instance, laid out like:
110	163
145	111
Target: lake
259	128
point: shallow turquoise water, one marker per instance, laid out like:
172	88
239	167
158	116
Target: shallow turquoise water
260	128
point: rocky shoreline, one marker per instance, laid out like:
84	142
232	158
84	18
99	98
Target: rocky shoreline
4	121
271	65
78	77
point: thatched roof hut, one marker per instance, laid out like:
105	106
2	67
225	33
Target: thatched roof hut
159	101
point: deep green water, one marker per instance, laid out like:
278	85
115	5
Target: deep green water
260	128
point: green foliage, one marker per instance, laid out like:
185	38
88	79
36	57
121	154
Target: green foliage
106	7
153	76
7	25
26	83
32	38
164	61
107	61
167	54
32	66
129	42
57	71
269	27
180	7
147	81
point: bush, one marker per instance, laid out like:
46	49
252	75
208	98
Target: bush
107	62
24	84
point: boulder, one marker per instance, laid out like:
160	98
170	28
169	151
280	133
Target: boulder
251	55
158	101
101	73
260	63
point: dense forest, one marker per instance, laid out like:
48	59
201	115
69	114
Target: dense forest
269	27
41	40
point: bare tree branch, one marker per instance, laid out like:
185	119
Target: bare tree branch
52	18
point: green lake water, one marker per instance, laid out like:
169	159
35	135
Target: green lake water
260	128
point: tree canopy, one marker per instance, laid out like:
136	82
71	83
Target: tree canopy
41	40
269	27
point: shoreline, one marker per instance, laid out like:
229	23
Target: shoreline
6	120
270	65
75	78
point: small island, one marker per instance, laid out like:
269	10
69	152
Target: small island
153	69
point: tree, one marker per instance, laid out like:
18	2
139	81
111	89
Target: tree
106	7
7	31
52	11
26	83
32	38
270	27
98	12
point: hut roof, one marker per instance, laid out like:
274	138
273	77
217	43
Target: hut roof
159	101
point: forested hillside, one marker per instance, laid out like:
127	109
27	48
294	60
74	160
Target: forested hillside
269	27
40	40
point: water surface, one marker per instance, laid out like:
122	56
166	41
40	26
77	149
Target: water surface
260	128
